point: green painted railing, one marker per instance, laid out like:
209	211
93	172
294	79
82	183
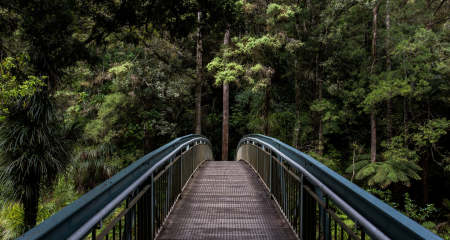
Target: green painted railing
283	169
136	186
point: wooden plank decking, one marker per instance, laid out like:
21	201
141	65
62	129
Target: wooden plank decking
226	200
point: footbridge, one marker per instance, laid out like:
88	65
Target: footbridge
270	191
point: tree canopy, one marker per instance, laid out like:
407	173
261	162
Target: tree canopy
88	87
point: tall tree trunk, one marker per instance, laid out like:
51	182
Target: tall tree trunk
426	164
226	108
198	90
405	120
298	102
373	138
375	34
266	111
319	96
373	125
388	68
425	182
389	118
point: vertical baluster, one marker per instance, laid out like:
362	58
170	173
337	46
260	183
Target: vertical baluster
120	229
152	208
181	171
329	226
335	230
270	174
291	199
126	230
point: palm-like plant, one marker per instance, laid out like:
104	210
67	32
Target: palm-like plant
35	146
90	167
445	226
384	171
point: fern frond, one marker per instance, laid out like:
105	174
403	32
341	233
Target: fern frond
402	176
412	174
361	164
385	182
380	174
429	225
393	173
407	183
370	180
358	166
413	166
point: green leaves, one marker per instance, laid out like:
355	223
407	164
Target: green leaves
226	72
431	132
385	173
15	82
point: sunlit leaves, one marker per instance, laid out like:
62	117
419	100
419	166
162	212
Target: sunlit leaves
15	81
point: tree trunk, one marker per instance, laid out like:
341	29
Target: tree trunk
198	90
298	103
373	137
319	96
266	111
405	121
389	118
30	207
425	165
388	68
373	125
375	33
226	108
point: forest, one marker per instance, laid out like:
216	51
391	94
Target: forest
89	87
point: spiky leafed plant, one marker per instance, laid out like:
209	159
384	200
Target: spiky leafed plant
445	226
90	167
35	146
384	171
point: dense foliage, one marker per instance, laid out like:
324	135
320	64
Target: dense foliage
88	87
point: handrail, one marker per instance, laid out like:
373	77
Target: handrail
78	218
369	212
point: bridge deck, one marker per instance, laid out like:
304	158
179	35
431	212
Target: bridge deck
226	200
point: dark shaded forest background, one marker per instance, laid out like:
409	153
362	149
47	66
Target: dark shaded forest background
89	87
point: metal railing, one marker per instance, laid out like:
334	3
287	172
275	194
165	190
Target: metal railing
311	196
135	202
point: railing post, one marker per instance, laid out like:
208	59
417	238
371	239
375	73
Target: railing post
128	222
181	172
271	175
152	208
257	161
301	207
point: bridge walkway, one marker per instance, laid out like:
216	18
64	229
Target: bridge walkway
226	200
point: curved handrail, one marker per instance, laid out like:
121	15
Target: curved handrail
369	211
76	219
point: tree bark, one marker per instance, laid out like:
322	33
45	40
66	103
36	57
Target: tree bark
198	90
373	137
388	68
298	102
389	118
319	96
226	108
30	207
375	34
425	165
373	126
266	112
405	121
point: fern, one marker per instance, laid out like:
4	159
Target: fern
429	225
385	172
